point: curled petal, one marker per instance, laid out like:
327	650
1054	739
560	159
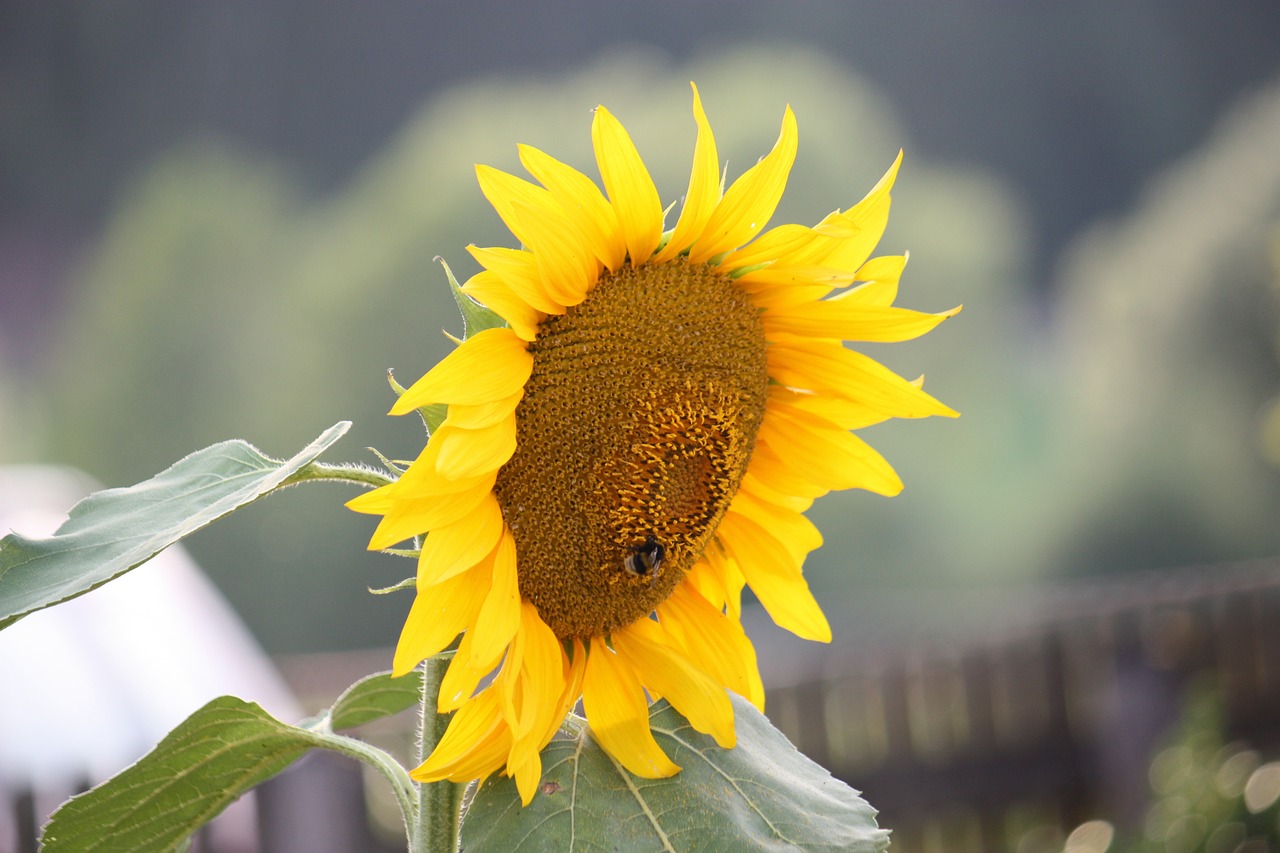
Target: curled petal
619	715
667	671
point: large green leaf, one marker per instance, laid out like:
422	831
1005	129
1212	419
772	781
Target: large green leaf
761	795
216	755
112	531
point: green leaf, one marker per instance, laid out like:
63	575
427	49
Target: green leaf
476	318
761	795
216	755
374	697
113	531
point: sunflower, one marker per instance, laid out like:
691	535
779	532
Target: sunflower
637	444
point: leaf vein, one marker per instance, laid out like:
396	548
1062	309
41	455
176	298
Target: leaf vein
734	784
640	800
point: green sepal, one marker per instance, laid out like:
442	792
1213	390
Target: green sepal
476	318
407	583
741	271
392	465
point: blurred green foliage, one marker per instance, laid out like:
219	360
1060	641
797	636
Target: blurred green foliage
223	303
1166	350
1208	796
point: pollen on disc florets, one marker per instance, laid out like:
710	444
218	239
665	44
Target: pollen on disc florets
636	427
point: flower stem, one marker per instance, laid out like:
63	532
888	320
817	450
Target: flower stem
359	474
439	803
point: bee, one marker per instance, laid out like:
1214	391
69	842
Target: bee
645	559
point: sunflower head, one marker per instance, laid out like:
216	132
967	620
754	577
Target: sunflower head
631	441
637	445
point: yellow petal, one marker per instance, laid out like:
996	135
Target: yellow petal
527	774
376	502
752	485
463	676
575	669
499	616
829	366
518	271
631	191
748	204
561	252
783	244
704	188
457	547
841	240
644	646
474	452
422	480
848	241
781	296
774	577
856	231
878	198
488	366
438	615
565	262
541	684
504	190
715	642
822	453
489	289
619	715
778	275
706	579
726	568
421	500
841	411
851	321
881	276
582	200
409	517
542	673
486	414
776	472
791	528
474	745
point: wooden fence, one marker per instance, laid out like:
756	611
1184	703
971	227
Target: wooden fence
1048	720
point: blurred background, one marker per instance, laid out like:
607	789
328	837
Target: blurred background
218	220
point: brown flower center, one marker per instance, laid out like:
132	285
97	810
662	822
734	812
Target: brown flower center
633	435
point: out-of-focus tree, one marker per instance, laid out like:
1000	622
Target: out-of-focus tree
1207	795
1164	345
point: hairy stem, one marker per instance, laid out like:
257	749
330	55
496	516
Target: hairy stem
361	475
439	803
